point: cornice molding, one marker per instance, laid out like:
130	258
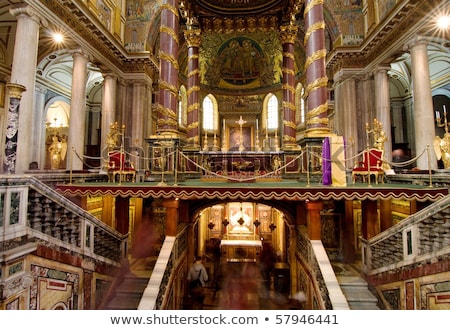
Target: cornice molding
81	22
403	23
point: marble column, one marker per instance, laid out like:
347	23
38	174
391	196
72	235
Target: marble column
23	72
76	143
288	36
141	92
193	40
385	214
15	92
316	76
108	108
171	206
423	104
122	214
168	73
314	222
346	113
369	213
349	250
383	107
39	150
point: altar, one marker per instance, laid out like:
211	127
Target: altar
248	164
240	250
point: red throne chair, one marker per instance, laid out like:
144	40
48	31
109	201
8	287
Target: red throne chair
372	164
118	165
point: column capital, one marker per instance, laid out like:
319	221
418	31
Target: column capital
80	53
288	33
28	11
109	75
415	41
193	37
15	90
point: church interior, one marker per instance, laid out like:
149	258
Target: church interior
301	148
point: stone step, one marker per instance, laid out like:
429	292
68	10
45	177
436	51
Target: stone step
357	293
129	293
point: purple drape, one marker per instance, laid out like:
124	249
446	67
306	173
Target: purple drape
326	163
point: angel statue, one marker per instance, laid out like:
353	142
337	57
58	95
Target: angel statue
58	150
442	149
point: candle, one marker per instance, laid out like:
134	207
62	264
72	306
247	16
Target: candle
438	115
223	125
445	110
257	124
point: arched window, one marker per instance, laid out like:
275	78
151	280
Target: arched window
300	109
182	107
210	113
271	112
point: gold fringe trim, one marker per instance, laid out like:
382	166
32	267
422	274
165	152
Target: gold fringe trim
317	111
290	55
169	58
289	139
316	26
166	112
316	84
172	9
323	121
289	88
166	86
170	32
192	90
167	122
317	55
289	105
192	126
193	107
290	124
193	57
288	71
193	72
311	5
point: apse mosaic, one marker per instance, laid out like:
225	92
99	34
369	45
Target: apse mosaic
240	61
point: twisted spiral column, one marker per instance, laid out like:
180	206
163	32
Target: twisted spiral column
168	78
288	36
316	78
193	39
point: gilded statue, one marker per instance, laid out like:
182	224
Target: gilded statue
442	149
57	150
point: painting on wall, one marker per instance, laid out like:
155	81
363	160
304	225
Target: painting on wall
234	138
240	218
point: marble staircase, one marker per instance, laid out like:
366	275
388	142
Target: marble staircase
128	292
355	288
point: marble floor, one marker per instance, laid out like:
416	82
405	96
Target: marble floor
241	288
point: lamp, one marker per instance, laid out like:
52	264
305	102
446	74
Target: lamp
241	218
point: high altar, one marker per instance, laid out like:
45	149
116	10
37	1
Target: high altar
241	228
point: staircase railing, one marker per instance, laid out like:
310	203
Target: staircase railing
320	272
417	238
31	211
157	293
